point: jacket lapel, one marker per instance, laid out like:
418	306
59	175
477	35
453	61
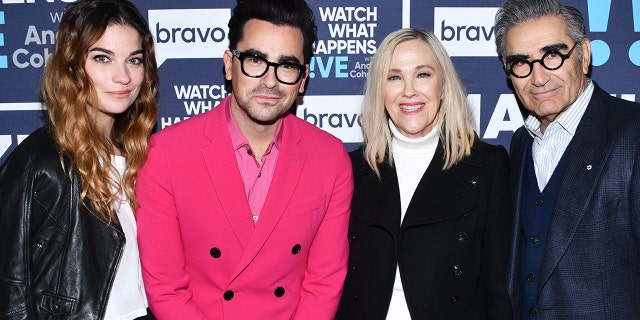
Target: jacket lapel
453	193
521	143
222	167
285	181
588	152
382	200
377	200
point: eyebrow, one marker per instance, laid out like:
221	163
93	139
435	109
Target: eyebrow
422	66
554	47
281	59
109	52
543	50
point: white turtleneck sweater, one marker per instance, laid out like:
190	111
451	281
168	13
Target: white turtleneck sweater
411	157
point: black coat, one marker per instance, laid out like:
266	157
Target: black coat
452	246
57	259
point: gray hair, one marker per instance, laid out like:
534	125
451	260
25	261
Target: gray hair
513	12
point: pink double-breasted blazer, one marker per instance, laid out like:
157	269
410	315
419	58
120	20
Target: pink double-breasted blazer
203	257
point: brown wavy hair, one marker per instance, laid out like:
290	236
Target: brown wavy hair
71	103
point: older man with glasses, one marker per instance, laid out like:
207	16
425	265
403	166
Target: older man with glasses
244	210
575	173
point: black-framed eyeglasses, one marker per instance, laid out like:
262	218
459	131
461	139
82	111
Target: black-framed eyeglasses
255	66
551	60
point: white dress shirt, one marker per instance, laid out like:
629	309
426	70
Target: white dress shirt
548	147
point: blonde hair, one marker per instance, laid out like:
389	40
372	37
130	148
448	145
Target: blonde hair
72	103
454	117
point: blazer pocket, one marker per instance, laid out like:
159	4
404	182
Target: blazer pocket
305	208
603	214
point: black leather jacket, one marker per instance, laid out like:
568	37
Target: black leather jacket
57	259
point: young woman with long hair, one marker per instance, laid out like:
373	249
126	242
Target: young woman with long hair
67	228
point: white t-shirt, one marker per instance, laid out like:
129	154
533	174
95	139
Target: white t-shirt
127	299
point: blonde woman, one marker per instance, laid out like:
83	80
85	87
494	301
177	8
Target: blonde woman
67	229
431	210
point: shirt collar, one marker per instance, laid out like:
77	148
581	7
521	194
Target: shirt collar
238	140
569	120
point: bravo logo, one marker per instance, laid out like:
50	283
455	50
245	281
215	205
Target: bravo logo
466	31
337	115
189	33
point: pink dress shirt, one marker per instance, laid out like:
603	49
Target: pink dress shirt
256	176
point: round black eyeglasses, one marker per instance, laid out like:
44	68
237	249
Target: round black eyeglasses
551	60
255	66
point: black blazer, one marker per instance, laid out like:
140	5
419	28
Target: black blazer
452	245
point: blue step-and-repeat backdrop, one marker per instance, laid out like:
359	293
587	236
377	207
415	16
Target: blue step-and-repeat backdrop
191	36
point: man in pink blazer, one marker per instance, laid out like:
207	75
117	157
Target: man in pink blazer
244	210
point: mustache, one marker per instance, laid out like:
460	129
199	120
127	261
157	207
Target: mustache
267	91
